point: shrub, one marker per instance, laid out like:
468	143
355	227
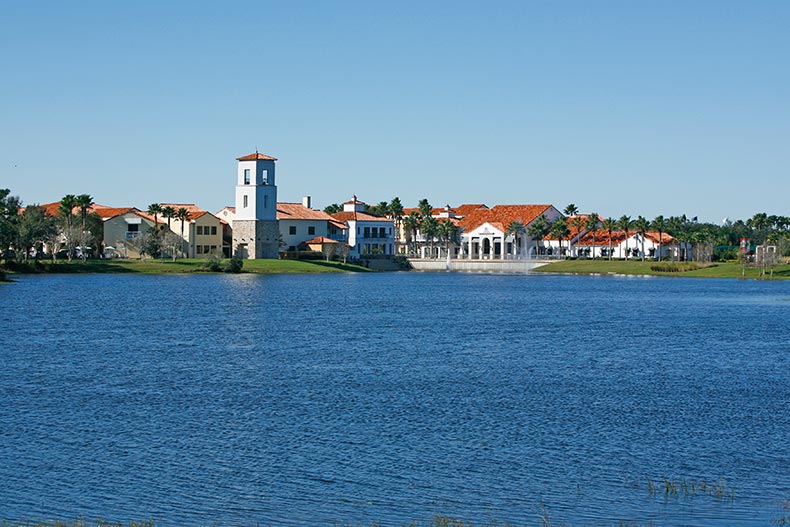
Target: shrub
234	265
213	264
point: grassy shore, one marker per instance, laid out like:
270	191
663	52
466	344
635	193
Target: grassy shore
638	267
186	265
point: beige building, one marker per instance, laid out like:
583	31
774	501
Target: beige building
123	230
201	234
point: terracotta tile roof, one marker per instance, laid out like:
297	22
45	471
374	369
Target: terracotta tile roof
297	211
337	224
321	239
107	213
356	216
503	214
602	237
256	156
51	209
461	210
573	230
195	212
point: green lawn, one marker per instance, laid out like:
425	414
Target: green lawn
638	267
186	265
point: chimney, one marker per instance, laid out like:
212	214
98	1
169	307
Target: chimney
306	201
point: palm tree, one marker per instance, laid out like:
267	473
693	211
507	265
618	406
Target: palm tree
155	209
183	215
65	209
609	225
169	213
448	234
84	202
641	225
430	228
591	225
517	230
678	227
577	223
660	225
396	210
538	230
560	230
624	224
571	210
410	225
425	207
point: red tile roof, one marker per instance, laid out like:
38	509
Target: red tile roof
356	216
321	239
504	215
195	212
602	237
297	211
256	156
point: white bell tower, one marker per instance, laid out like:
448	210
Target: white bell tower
255	230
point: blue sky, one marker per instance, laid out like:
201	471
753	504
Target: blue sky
626	107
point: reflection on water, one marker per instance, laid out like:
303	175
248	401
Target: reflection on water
317	399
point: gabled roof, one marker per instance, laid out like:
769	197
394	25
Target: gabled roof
503	214
195	212
255	157
297	211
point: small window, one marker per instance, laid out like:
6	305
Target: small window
213	230
311	230
206	249
246	176
199	229
245	201
265	177
292	230
367	232
265	201
213	249
200	249
134	227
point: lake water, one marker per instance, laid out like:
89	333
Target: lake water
324	399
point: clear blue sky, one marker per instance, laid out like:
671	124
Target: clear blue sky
625	107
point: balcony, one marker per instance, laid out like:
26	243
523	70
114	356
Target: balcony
132	235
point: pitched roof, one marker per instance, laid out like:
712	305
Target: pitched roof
256	156
503	214
461	210
320	239
602	237
297	211
344	216
195	212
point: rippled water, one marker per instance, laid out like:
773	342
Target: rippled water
294	400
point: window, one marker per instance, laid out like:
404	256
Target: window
200	249
246	176
199	230
245	201
213	249
213	230
265	201
265	177
367	232
206	249
133	227
292	230
311	230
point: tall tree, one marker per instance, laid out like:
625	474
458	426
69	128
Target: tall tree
84	202
429	227
516	229
609	225
155	209
659	224
538	230
576	223
425	207
332	209
396	210
34	229
168	213
571	210
641	225
559	229
66	211
591	226
410	225
9	217
448	233
624	224
182	214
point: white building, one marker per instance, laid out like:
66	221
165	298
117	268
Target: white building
255	233
298	222
485	233
366	234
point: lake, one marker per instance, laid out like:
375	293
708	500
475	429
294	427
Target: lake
354	398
